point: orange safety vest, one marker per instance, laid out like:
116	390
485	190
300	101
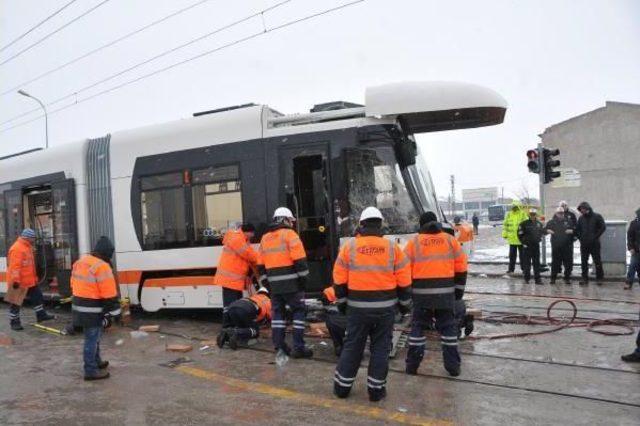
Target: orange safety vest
464	233
94	291
282	260
436	259
263	303
21	266
235	261
372	272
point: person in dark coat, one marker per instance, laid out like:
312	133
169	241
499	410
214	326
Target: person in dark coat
561	229
530	233
590	228
475	220
633	244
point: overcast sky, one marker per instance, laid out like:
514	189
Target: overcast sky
550	59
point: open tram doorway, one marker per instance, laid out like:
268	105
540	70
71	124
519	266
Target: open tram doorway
306	186
48	209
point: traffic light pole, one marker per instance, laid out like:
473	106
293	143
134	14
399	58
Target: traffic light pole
541	175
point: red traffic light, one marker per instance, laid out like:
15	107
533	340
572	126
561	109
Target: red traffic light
534	161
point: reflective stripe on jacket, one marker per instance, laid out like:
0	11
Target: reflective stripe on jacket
371	272
283	260
235	261
21	265
438	268
263	305
94	291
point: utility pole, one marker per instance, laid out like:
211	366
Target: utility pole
453	195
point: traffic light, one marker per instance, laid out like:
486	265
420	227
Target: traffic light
550	163
533	161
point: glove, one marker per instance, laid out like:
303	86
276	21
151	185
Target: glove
459	293
15	286
342	308
106	321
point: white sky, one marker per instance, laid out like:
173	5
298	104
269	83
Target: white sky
550	59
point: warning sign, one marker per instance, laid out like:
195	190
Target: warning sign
569	178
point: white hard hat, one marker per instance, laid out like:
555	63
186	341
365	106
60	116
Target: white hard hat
283	212
370	213
263	290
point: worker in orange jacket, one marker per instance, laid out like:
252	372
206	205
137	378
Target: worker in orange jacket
95	303
464	234
438	272
21	273
244	318
283	267
371	277
235	264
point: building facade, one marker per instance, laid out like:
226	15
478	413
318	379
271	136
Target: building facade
600	160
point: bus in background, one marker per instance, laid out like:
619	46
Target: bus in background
497	214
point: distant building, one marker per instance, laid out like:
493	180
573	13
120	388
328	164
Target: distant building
600	160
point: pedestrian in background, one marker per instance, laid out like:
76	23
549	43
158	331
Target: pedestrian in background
530	233
561	229
633	244
512	220
475	220
590	228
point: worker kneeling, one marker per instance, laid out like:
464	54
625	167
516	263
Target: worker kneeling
95	303
371	277
243	319
439	271
335	320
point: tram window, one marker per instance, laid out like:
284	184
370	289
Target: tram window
217	203
164	223
3	238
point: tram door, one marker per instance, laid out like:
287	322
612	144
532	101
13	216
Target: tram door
305	186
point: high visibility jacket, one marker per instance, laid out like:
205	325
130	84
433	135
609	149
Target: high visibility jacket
371	272
283	261
262	304
438	268
235	262
94	291
21	266
512	220
464	233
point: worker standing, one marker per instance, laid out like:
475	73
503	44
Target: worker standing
95	303
236	262
561	229
510	225
591	226
21	275
439	274
371	277
633	244
464	235
530	233
244	317
283	264
476	223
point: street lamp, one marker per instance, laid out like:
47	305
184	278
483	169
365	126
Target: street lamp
46	118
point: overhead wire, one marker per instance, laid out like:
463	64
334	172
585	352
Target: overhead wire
185	61
35	27
151	59
57	30
104	46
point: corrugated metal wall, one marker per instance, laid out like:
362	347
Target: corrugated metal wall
99	190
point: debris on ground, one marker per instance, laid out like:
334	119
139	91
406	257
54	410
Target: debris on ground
208	342
205	347
5	340
281	358
318	329
138	334
149	328
179	348
119	342
176	362
402	409
323	343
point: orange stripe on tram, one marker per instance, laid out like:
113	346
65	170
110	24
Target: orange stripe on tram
179	281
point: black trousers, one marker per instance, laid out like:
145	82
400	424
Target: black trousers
242	318
445	325
592	250
363	323
514	252
531	257
337	326
36	298
562	257
228	297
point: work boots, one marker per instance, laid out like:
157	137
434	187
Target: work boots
99	375
16	325
302	353
632	357
44	316
233	340
222	338
103	364
627	285
376	395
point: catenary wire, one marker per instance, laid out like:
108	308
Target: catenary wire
151	59
104	46
57	30
176	64
38	25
